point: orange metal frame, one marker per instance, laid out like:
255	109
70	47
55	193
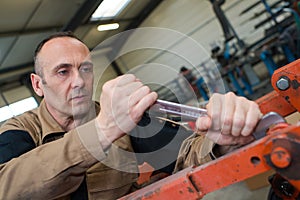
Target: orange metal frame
279	150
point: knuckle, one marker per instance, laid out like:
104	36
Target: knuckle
106	87
239	123
243	99
215	96
145	89
131	76
135	115
230	95
215	115
227	121
254	105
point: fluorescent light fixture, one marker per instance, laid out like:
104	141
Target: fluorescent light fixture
17	108
106	27
109	9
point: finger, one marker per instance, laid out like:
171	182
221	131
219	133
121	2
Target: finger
121	95
203	123
138	95
238	121
227	114
129	88
111	86
252	118
124	79
139	109
213	110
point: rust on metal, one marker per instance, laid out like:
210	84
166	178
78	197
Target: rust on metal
278	150
280	157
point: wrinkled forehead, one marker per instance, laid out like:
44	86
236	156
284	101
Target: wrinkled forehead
64	49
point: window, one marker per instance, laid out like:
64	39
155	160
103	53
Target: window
17	108
15	101
23	106
5	113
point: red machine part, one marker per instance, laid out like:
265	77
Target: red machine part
279	150
286	82
273	102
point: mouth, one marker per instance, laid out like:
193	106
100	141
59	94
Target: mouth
79	98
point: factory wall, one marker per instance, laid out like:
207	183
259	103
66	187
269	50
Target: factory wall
182	33
178	33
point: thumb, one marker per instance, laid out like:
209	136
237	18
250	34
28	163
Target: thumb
203	123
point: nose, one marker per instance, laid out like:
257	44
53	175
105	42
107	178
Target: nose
77	80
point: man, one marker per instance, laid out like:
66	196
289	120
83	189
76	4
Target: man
53	152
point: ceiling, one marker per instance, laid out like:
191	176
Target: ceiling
25	23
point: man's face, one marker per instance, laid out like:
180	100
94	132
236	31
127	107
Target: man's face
67	83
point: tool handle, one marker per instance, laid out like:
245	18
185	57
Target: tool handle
185	111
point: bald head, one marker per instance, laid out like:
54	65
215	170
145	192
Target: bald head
37	65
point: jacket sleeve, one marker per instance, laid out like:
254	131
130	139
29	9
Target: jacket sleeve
14	143
51	170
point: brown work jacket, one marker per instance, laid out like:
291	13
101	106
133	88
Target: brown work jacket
55	169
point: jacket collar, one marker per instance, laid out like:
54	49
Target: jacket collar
48	124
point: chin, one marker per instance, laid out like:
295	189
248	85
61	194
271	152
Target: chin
81	109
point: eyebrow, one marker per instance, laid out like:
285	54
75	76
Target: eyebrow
86	63
68	65
62	65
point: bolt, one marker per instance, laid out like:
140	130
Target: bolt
280	157
283	84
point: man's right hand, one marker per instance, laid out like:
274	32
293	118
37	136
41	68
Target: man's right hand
123	101
231	119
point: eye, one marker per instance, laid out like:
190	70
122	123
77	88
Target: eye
63	72
86	68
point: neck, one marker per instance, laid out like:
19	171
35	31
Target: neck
69	122
72	122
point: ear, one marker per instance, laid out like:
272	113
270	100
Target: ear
36	82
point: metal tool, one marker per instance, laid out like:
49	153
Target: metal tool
193	113
185	111
268	120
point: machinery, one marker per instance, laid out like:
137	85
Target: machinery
278	46
278	150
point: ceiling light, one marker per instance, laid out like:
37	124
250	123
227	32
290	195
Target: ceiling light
109	9
106	27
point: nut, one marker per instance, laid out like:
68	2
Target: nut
283	84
